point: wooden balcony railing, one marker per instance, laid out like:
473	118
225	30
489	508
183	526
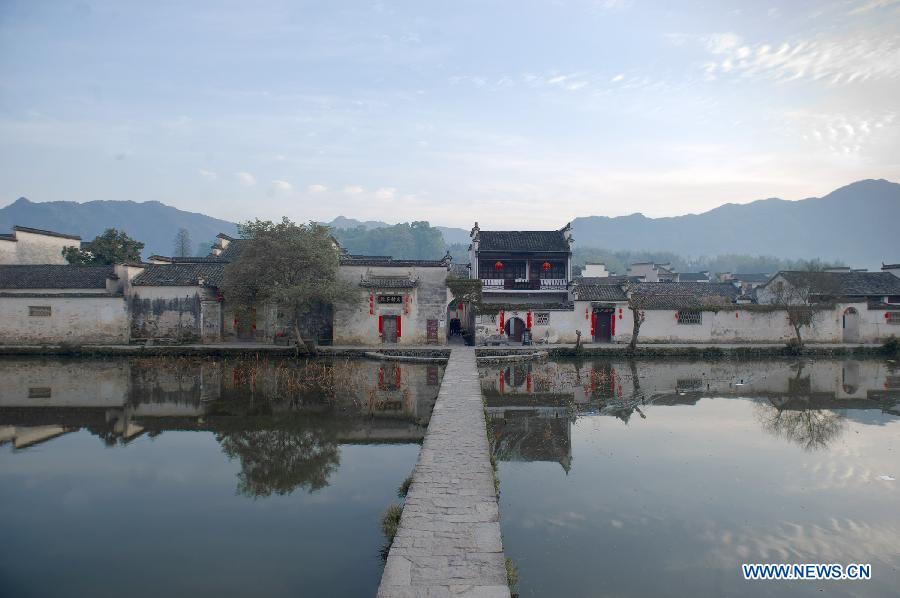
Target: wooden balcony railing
521	284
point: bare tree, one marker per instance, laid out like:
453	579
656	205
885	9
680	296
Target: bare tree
637	316
801	295
183	247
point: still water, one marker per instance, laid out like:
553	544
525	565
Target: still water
661	478
162	477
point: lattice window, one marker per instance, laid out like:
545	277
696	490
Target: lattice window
40	392
892	317
690	317
39	311
542	318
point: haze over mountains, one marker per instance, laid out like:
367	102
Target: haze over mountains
856	223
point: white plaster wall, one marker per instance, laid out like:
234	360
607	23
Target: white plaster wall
166	311
7	251
81	320
30	248
560	329
749	326
354	325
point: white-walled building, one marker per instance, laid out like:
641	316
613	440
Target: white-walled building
401	302
50	304
31	246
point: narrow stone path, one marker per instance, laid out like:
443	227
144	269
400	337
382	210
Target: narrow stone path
449	542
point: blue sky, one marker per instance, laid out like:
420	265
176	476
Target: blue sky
517	114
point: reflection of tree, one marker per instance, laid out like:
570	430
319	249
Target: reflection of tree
813	429
278	461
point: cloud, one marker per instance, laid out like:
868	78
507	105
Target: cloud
280	185
843	134
317	188
353	190
871	5
208	175
721	43
832	61
385	193
245	179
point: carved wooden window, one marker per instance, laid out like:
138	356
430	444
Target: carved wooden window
689	317
542	318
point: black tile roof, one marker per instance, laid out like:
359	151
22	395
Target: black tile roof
751	277
383	260
523	240
234	249
599	292
846	284
692	276
181	275
49	233
388	282
189	260
54	276
683	295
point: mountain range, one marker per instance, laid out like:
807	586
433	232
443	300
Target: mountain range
857	224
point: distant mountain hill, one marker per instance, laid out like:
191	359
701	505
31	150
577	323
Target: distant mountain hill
153	223
857	224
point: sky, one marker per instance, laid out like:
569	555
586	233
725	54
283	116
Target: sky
518	114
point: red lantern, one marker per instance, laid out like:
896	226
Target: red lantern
546	266
528	321
498	266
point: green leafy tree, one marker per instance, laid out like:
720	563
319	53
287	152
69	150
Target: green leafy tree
415	240
110	247
293	266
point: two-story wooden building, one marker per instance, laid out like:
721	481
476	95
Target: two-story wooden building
527	273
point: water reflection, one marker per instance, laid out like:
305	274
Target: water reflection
281	420
237	478
631	478
533	405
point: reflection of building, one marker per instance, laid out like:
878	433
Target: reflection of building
532	405
532	435
121	399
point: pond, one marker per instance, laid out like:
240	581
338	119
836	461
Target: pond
661	478
161	477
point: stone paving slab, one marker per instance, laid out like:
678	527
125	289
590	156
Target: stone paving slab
448	543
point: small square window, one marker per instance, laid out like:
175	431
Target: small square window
40	392
39	311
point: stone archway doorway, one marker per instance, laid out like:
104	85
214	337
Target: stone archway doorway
514	329
851	325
